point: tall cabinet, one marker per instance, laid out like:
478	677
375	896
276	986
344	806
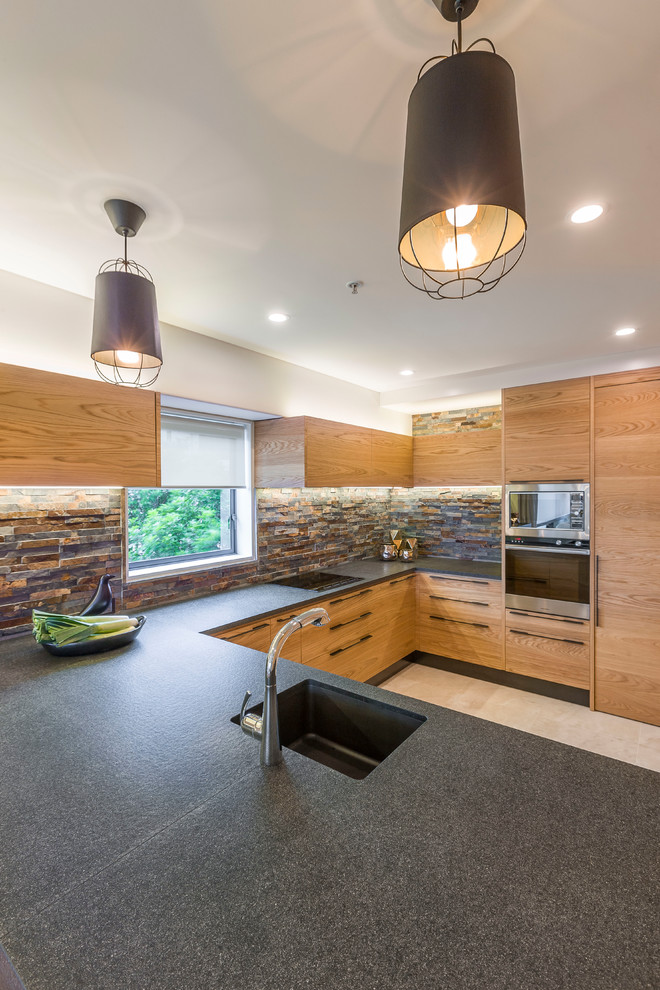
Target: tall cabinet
626	502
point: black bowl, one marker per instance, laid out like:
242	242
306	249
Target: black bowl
98	645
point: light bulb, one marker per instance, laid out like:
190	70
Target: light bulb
128	357
459	255
462	215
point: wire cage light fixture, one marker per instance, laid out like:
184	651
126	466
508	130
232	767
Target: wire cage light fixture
126	347
463	218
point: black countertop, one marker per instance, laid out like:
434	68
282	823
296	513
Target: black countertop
144	847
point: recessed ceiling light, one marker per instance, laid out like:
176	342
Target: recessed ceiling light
586	213
407	372
624	331
278	317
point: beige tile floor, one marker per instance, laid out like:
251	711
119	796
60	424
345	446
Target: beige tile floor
620	738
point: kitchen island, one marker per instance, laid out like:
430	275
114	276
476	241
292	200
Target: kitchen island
144	847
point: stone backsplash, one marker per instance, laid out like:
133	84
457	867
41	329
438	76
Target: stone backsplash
454	522
56	543
457	421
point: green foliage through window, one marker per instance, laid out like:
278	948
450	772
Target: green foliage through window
170	523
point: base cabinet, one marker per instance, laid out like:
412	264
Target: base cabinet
460	618
548	647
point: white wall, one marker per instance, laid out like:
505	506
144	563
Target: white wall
48	328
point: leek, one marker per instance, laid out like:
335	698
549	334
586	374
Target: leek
51	627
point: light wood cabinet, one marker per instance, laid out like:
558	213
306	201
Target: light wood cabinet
626	508
473	457
60	430
550	648
460	618
305	452
255	635
546	431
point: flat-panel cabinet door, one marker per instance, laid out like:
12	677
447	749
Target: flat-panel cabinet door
60	430
627	544
546	431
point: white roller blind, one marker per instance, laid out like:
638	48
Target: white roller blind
200	451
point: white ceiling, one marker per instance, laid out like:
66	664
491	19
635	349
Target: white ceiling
265	141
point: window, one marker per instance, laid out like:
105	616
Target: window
168	524
204	515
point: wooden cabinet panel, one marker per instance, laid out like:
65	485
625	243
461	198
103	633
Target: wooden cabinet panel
391	460
60	430
279	453
473	642
548	647
255	635
461	618
336	454
359	659
460	588
349	616
470	458
626	501
546	431
317	453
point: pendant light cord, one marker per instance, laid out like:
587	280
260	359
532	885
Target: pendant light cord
458	7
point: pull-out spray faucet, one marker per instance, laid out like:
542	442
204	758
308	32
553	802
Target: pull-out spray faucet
267	728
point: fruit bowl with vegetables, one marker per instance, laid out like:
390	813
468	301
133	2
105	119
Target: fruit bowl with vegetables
90	631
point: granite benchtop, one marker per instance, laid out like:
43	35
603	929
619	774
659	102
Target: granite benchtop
142	845
263	600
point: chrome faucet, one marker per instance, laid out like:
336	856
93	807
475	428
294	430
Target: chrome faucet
267	728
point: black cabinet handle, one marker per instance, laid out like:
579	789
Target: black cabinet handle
461	622
262	625
443	577
348	598
334	653
550	618
401	580
463	601
288	618
358	618
556	639
596	588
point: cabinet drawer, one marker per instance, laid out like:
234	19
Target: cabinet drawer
548	625
255	635
359	659
465	589
473	642
292	649
328	638
345	611
462	610
551	657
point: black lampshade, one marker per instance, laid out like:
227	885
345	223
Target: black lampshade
125	319
462	148
126	336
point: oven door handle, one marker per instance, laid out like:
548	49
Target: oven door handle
574	550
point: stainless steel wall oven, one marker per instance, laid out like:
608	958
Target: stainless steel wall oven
546	539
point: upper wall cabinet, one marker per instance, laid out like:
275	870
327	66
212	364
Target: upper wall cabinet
304	452
546	431
473	457
59	430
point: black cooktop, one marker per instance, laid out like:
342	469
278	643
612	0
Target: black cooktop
316	581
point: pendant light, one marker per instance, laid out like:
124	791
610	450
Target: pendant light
463	221
126	335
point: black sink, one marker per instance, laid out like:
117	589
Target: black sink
342	730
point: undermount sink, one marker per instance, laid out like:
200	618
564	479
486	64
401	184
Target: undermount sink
340	729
